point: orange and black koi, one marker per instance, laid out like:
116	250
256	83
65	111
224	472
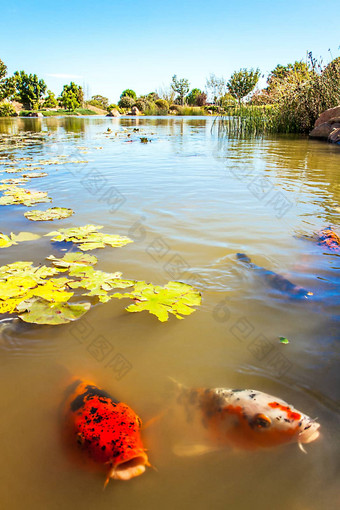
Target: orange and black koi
106	430
275	280
327	237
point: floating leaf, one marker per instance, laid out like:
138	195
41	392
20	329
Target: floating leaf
19	180
24	236
26	197
284	340
5	241
73	259
16	286
96	282
53	213
34	175
26	270
175	297
88	237
40	311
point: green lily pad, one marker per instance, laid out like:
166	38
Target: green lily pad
175	297
98	283
88	237
73	259
53	213
40	311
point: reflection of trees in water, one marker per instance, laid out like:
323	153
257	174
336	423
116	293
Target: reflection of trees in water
294	163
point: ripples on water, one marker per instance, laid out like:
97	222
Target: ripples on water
190	201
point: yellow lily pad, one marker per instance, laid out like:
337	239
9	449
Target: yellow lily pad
53	213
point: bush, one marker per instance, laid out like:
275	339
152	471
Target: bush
142	105
126	102
7	110
162	103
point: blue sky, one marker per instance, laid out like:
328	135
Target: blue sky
112	45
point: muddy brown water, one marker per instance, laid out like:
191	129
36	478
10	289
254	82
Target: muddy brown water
190	200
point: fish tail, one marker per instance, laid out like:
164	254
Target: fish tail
243	257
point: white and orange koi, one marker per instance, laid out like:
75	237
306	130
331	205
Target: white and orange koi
246	419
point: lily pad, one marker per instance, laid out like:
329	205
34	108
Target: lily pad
6	241
175	297
88	237
34	175
40	311
98	283
73	259
53	213
26	197
27	270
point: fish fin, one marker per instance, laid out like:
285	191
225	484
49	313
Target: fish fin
302	448
107	479
153	420
243	257
193	450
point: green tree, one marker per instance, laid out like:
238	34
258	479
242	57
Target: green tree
297	71
72	96
7	85
181	86
50	100
29	89
128	93
243	82
192	96
99	101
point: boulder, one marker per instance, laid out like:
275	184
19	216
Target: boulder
327	116
135	111
113	113
326	131
334	137
322	131
36	114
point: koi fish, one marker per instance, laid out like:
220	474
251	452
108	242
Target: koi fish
246	419
327	237
275	280
106	430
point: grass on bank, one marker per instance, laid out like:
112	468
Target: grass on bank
55	113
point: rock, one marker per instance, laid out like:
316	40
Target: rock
327	116
334	137
135	111
36	114
326	131
322	131
113	113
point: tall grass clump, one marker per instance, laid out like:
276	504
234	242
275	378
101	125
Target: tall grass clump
295	103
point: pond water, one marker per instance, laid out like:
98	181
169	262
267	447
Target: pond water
190	200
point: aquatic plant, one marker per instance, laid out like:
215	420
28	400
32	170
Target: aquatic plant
88	237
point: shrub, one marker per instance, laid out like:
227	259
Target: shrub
7	110
162	103
126	102
142	104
